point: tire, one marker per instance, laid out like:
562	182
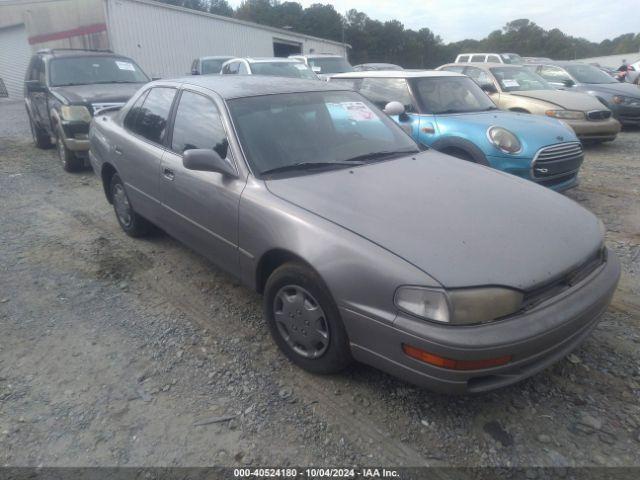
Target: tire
306	326
131	222
70	162
40	137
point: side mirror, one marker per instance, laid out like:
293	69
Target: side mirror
205	160
195	72
34	86
394	108
316	69
153	79
568	82
489	88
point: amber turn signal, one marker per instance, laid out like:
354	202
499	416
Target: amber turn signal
452	364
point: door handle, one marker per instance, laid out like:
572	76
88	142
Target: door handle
168	174
117	151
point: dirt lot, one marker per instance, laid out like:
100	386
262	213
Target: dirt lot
116	351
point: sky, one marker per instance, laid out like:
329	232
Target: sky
456	20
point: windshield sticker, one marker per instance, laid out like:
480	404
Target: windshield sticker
358	111
510	82
125	66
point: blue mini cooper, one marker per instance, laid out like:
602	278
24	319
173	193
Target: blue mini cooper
450	113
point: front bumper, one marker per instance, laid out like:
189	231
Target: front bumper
76	136
595	130
627	115
521	167
535	339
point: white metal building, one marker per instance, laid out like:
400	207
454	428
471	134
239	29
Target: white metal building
163	39
613	61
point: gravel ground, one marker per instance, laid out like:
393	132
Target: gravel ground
117	351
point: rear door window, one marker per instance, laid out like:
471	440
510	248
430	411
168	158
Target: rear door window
152	119
463	59
477	58
493	59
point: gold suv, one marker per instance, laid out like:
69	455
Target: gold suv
516	88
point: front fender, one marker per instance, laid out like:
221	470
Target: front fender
360	275
463	144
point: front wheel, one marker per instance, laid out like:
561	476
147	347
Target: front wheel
304	320
40	137
70	162
133	224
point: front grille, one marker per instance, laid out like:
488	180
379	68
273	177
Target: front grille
599	114
550	289
97	107
562	159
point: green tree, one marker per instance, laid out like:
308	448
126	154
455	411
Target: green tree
220	7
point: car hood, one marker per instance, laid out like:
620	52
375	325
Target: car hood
534	131
461	223
613	88
567	100
107	92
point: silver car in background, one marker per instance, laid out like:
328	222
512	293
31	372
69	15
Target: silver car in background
269	66
446	273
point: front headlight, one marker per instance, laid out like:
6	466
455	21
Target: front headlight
504	140
75	113
459	307
566	114
626	101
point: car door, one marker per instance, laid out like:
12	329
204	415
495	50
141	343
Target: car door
138	153
201	207
39	99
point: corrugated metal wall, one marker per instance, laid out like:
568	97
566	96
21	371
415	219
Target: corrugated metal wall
164	40
14	59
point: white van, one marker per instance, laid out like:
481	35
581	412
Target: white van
489	58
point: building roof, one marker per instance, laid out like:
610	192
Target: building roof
237	86
398	74
241	22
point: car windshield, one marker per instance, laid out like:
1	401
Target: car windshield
589	74
283	69
519	79
511	58
331	65
83	70
212	65
300	132
440	95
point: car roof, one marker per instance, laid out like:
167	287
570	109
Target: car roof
484	65
559	63
317	55
216	57
238	86
61	52
398	74
267	59
377	64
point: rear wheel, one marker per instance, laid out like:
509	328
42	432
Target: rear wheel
40	137
133	224
70	162
304	320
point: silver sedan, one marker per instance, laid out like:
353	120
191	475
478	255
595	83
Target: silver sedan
366	246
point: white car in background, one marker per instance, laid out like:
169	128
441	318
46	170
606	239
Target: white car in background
269	66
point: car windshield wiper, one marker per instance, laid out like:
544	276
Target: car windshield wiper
70	84
379	155
306	166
